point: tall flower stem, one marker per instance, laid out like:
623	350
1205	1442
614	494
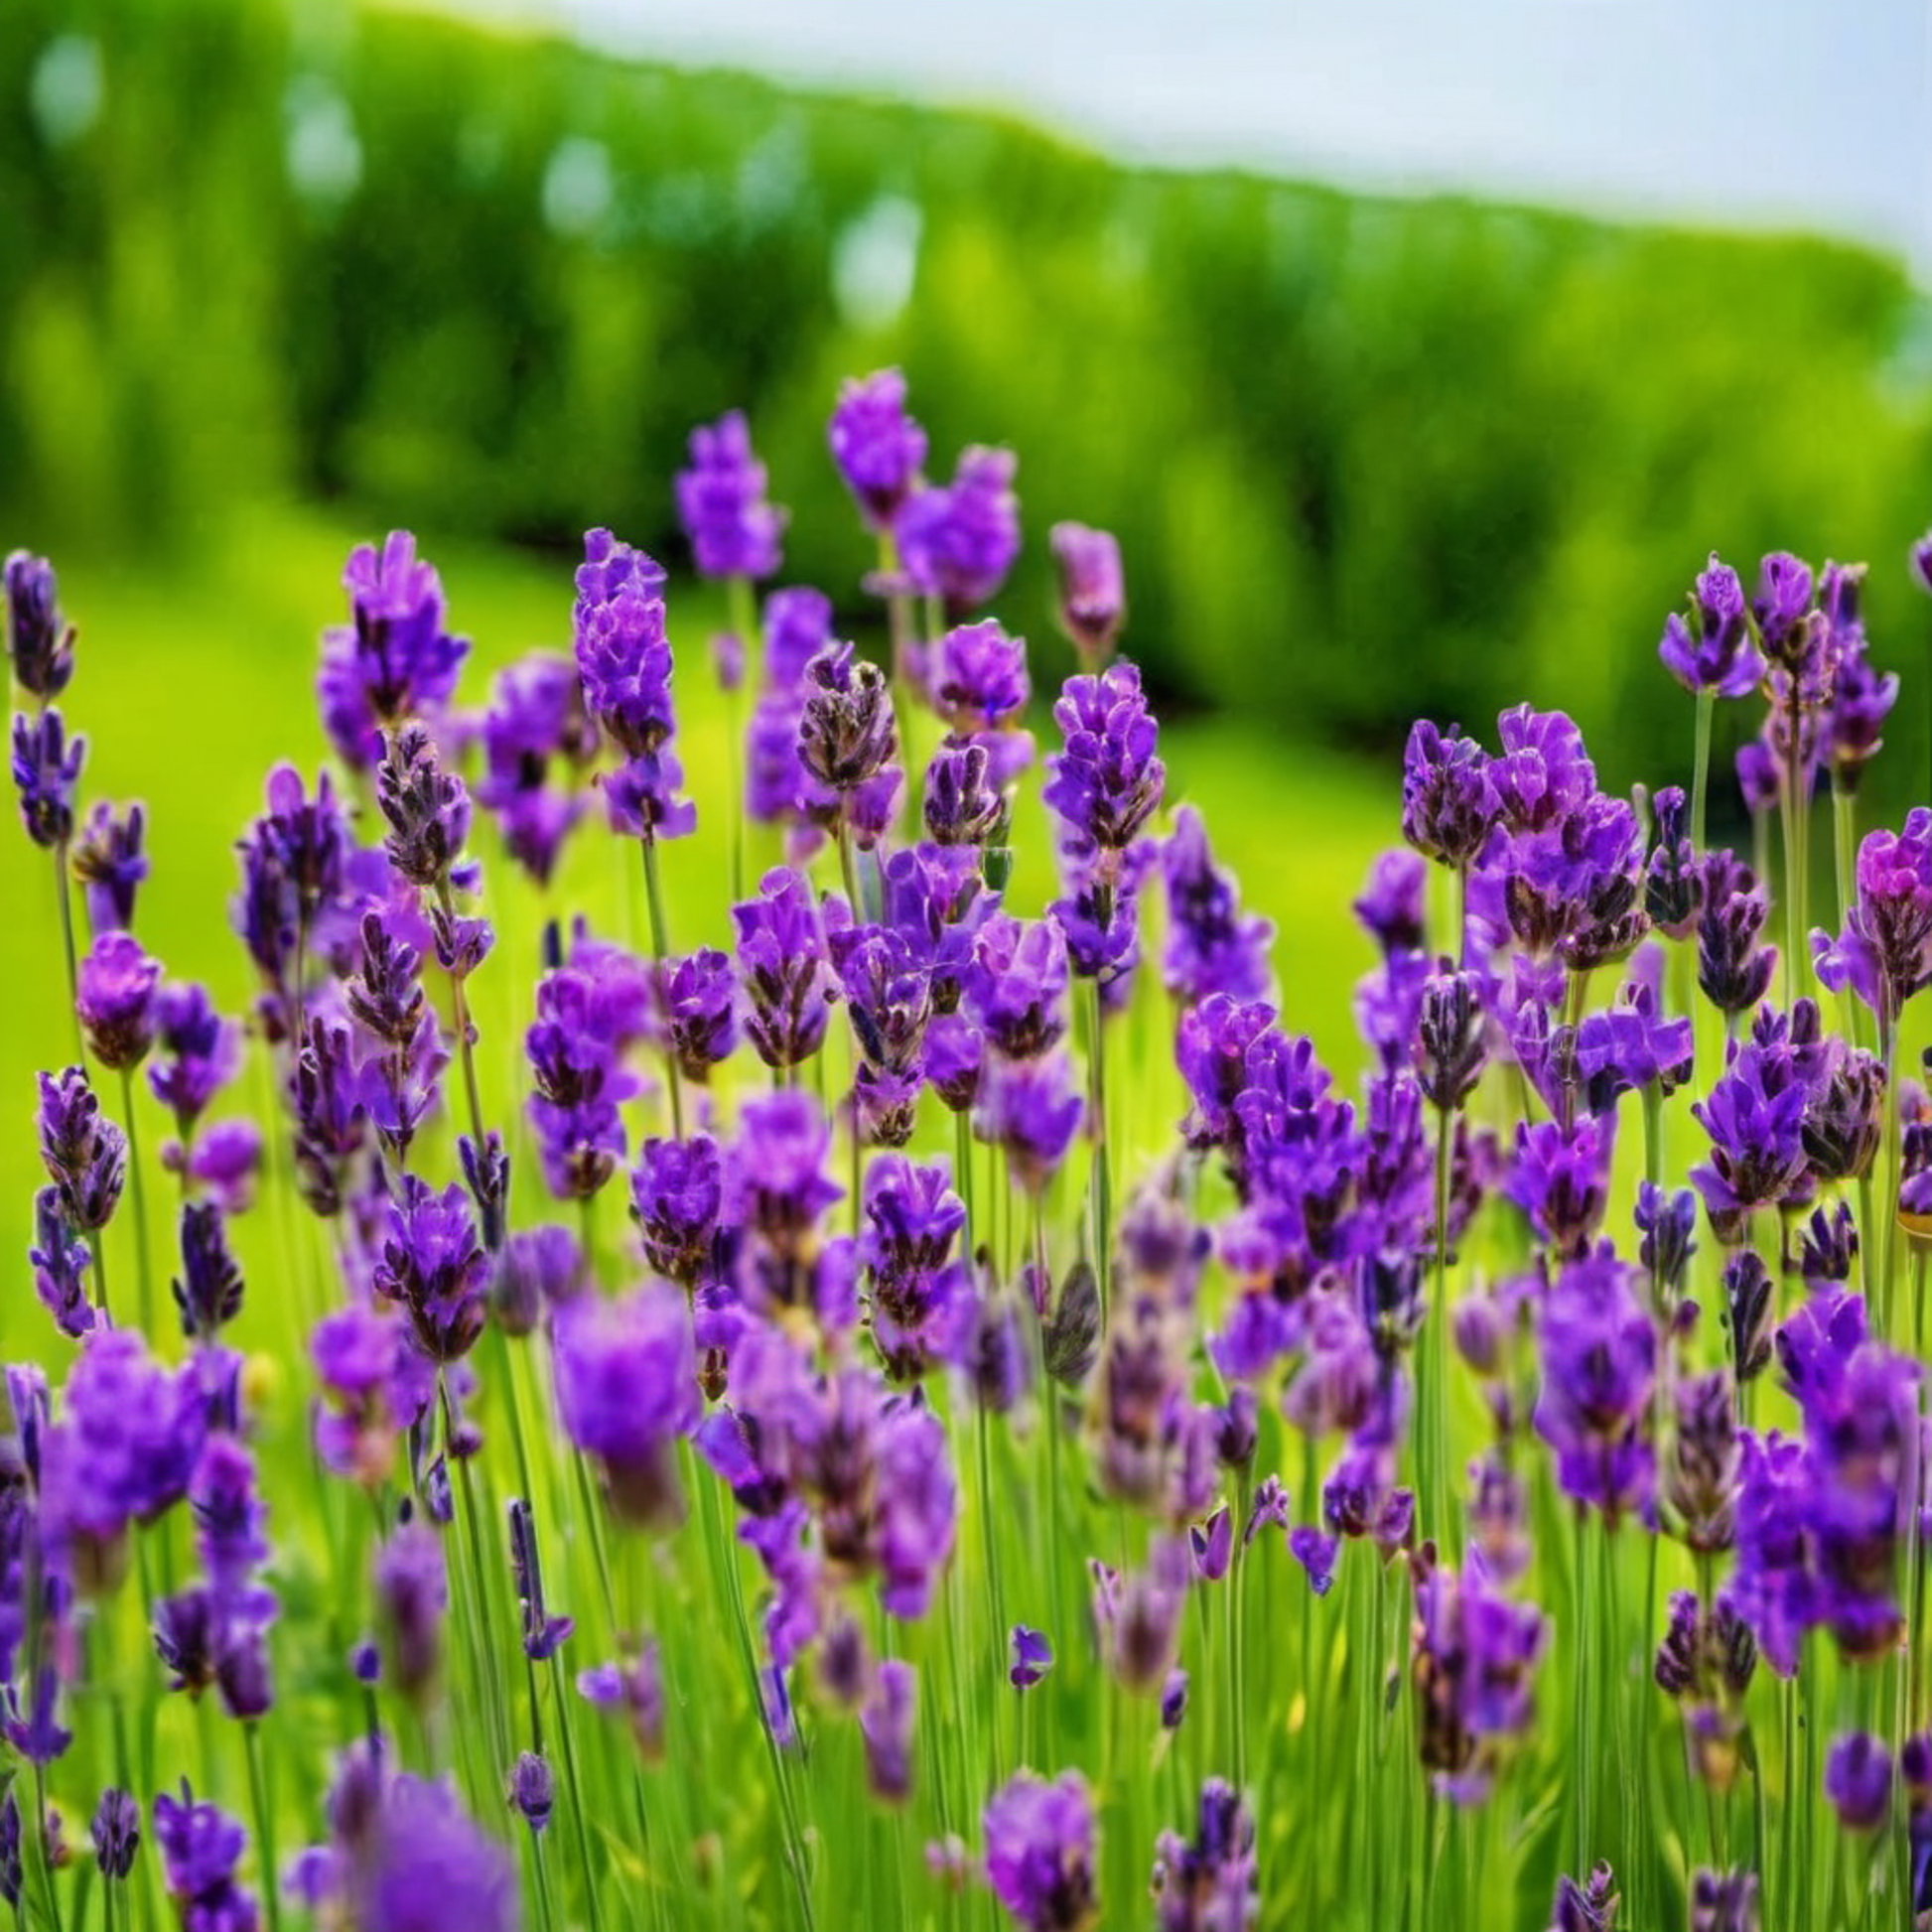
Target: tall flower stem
576	1784
725	1561
143	1266
63	898
1706	705
659	949
1797	828
1103	1202
743	608
1437	1485
464	1032
271	1886
1886	1232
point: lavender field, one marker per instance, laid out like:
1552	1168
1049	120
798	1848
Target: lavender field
708	1276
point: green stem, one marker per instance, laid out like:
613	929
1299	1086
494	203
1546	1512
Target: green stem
1706	705
64	899
264	1824
144	1268
576	1785
1103	1206
742	606
1439	1485
659	951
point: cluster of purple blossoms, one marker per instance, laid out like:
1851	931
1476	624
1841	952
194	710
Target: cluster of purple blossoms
625	661
626	1390
734	531
958	540
1821	1520
202	1848
1041	1852
394	660
535	728
403	1852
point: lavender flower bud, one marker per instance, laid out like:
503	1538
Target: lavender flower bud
207	1291
109	862
734	531
1747	1307
427	808
533	1791
40	643
84	1153
847	733
885	1723
878	448
1033	1657
1588	1907
1092	587
47	774
1857	1781
60	1263
412	1595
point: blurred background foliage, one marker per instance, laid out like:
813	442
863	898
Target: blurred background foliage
1367	457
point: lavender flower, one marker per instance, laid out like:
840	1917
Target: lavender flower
957	541
433	1264
627	1389
536	718
201	1849
885	1723
47	774
1884	953
633	1690
877	447
1212	946
1448	801
38	641
412	1594
1093	590
1031	1654
848	738
1588	1907
1754	1116
116	1832
783	966
696	992
1107	782
734	531
624	660
60	1263
394	660
1714	651
197	1053
1723	1902
1598	1349
532	1791
1030	1109
1039	1852
427	809
110	864
116	1002
1857	1781
1733	970
1476	1654
207	1291
542	1632
1214	1883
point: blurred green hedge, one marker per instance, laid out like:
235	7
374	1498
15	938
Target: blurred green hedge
1366	456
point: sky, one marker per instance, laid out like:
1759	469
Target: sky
1814	114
